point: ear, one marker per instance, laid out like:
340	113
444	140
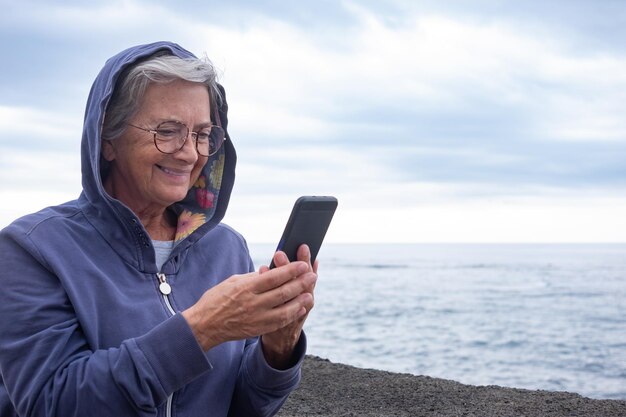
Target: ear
108	151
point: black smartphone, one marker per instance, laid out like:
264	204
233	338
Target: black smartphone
308	223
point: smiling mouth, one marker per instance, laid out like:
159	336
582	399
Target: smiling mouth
174	171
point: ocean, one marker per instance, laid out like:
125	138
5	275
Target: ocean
549	317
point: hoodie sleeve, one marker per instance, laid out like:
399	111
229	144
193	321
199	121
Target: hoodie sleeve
261	390
47	366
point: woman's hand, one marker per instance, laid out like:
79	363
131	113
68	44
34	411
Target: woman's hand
253	304
278	345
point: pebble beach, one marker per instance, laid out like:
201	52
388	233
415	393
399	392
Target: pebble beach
336	390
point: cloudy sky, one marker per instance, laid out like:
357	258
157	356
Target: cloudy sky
473	121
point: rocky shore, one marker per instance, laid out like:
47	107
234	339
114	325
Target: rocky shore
335	390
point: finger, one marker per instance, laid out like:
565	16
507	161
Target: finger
304	254
280	258
287	315
288	291
276	277
263	268
316	264
292	311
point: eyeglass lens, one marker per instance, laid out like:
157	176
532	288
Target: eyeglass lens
170	138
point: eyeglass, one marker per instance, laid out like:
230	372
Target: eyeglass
170	137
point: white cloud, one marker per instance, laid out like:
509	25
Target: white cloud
586	116
17	203
546	221
563	217
40	159
436	63
300	100
20	126
37	170
32	179
67	20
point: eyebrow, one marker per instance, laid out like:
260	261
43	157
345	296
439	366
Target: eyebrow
204	124
200	125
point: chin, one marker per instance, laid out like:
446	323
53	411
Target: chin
173	198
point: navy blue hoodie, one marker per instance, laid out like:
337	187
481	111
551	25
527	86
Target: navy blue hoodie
84	329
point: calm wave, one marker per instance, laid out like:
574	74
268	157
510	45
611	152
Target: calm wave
546	317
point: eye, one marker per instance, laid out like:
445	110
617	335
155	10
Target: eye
169	130
204	135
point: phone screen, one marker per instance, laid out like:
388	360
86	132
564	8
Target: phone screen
308	223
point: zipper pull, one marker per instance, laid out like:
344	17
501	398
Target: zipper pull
164	287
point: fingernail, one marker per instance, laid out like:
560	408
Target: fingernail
302	268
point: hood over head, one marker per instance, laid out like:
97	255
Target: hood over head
206	202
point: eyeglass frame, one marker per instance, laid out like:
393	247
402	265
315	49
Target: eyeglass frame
194	136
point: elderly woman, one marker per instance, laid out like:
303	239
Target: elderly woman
134	300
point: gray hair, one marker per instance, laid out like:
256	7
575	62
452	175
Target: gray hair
159	68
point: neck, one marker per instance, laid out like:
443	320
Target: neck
159	225
159	222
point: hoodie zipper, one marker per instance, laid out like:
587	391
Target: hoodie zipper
166	290
168	406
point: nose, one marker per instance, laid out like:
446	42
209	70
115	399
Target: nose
188	152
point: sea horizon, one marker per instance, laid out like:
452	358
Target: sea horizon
543	316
